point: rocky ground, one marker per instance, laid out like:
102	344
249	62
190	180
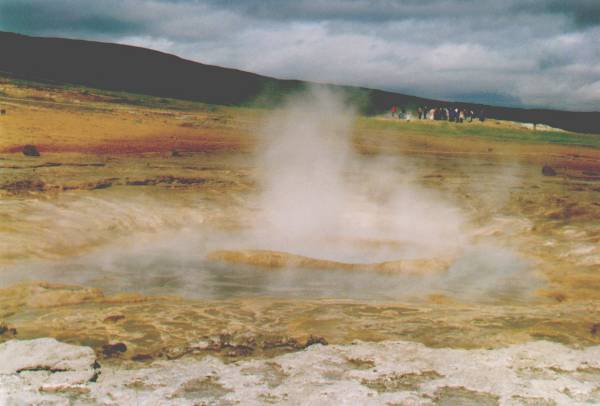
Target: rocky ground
106	239
45	371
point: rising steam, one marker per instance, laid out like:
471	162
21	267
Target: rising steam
322	199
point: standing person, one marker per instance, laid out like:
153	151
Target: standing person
420	113
482	115
394	110
461	116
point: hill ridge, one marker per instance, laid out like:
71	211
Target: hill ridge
129	68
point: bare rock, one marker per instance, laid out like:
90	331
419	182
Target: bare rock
47	360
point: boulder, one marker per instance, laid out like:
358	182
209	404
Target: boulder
547	170
30	150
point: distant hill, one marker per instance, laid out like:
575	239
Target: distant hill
139	70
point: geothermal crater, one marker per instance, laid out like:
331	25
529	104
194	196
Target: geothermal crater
325	209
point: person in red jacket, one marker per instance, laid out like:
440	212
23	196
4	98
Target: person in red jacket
394	110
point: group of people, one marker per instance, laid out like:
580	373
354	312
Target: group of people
453	114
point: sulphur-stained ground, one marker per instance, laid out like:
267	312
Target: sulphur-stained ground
111	239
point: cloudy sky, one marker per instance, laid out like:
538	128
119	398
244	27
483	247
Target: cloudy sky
542	53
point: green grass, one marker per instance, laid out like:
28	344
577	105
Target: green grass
485	130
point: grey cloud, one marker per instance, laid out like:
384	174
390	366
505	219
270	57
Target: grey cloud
518	52
41	14
584	13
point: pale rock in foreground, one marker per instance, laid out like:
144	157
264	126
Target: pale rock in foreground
30	368
44	354
398	372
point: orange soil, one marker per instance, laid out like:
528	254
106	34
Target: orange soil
59	128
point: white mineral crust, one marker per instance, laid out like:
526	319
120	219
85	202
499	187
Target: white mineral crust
358	374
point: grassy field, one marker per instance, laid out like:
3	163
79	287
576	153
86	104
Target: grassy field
491	130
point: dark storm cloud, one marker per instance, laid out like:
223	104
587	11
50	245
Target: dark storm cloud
518	52
41	17
352	10
584	13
